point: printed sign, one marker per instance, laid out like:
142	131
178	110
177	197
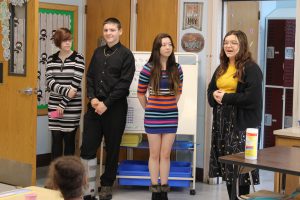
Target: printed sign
192	15
192	42
289	53
270	52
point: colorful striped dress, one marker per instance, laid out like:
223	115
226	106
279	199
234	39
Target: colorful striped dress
161	112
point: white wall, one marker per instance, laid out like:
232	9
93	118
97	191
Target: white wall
43	135
201	78
214	30
286	4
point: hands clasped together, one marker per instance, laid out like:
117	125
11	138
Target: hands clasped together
71	94
218	96
99	106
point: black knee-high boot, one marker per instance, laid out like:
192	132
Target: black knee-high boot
156	192
164	192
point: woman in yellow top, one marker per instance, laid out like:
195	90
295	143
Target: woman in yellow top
235	93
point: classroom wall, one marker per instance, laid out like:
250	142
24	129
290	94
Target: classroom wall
207	63
202	71
44	136
286	4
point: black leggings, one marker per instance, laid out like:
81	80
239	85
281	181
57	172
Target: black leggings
243	189
62	139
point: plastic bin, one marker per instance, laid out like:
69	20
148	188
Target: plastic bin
140	168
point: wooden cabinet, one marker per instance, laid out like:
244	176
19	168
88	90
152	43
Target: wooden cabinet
289	137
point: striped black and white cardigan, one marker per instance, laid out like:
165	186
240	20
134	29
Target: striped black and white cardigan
60	77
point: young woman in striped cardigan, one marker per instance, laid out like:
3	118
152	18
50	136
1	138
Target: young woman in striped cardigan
64	74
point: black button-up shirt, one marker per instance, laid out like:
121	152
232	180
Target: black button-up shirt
110	73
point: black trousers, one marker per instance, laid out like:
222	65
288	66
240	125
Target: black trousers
110	125
63	143
243	189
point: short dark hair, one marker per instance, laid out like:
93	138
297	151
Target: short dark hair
61	35
67	174
113	20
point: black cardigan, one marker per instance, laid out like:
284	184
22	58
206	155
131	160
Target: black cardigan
247	99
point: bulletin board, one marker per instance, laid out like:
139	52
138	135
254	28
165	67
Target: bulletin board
52	17
187	105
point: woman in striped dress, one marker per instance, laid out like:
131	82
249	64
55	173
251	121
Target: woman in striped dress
63	76
162	77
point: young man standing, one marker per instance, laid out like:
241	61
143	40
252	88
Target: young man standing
108	80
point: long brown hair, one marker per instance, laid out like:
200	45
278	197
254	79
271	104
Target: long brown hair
241	58
172	68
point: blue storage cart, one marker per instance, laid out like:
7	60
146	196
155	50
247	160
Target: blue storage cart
133	172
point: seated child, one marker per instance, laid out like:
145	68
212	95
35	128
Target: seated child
67	174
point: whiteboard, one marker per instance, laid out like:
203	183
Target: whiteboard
187	105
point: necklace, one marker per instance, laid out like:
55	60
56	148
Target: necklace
107	55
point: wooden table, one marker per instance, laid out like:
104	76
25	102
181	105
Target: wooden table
42	194
288	137
284	160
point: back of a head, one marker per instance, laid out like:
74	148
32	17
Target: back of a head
67	174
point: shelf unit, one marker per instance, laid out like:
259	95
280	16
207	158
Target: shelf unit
181	174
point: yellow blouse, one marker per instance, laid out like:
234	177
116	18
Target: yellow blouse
226	82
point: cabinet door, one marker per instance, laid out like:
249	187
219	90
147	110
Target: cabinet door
292	182
96	12
99	10
237	12
153	17
161	18
279	77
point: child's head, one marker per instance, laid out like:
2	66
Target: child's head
67	174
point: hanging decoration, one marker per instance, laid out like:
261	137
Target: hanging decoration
4	21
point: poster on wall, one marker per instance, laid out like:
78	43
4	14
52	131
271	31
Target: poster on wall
192	39
192	15
192	42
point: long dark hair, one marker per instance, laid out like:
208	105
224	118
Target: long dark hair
172	68
241	58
